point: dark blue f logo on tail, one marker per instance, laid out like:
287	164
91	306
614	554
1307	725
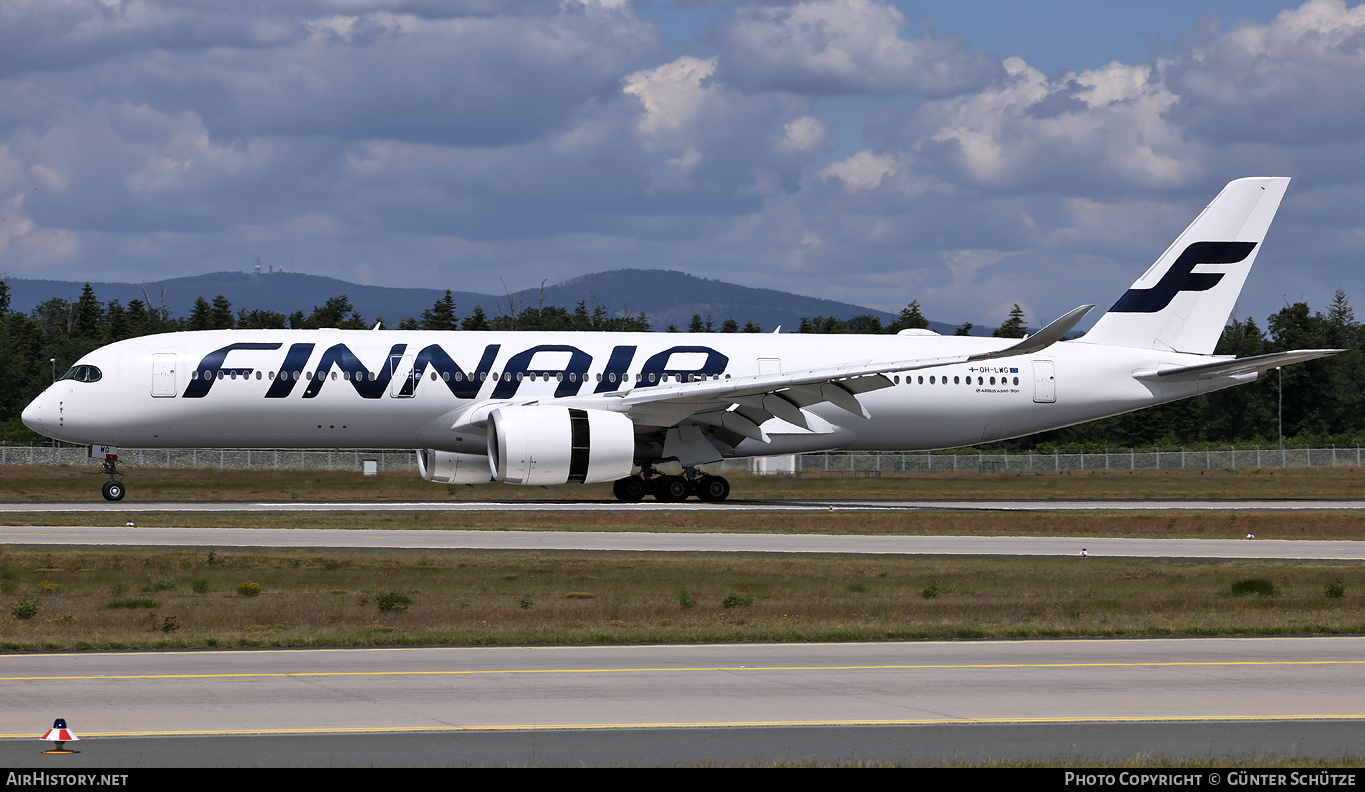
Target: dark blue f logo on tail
1182	277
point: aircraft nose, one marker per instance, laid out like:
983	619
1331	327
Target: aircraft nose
33	415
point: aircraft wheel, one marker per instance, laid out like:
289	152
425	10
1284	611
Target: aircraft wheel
713	488
113	490
630	489
670	489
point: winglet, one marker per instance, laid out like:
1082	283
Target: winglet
1042	339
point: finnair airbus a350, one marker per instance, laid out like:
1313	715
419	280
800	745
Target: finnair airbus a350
554	408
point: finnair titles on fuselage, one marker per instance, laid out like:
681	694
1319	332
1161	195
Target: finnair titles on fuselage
554	408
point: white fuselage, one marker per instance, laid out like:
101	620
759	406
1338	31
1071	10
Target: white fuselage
402	389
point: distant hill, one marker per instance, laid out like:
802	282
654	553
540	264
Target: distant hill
665	296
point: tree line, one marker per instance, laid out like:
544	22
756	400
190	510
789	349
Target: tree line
1321	403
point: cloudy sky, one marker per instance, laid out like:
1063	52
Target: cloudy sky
967	154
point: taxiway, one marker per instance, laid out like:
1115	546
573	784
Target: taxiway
631	541
1205	686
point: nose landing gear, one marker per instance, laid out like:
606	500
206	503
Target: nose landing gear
113	488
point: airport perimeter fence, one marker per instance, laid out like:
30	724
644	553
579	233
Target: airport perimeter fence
215	458
890	463
816	465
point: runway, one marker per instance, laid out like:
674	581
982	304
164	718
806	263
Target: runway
632	541
362	699
647	507
119	534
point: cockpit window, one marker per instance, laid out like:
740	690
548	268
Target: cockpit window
83	374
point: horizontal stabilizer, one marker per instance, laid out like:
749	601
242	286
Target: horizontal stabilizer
1042	339
1228	368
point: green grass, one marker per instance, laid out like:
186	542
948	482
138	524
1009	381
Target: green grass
466	597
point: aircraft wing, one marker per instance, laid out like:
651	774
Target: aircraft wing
743	404
740	406
758	398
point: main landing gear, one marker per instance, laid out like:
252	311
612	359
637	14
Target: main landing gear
672	489
113	488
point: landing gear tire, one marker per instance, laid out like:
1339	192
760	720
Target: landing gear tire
670	489
712	489
113	490
630	489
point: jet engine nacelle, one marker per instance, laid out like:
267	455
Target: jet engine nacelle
543	445
446	467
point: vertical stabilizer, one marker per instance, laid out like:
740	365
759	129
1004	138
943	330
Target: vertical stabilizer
1183	301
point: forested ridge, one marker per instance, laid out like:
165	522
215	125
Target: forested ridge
1321	405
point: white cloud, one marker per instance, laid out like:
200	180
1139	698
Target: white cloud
805	135
486	79
1294	81
845	46
697	135
1027	131
862	171
675	97
187	160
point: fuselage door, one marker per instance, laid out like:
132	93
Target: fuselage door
769	365
402	376
163	375
1044	382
